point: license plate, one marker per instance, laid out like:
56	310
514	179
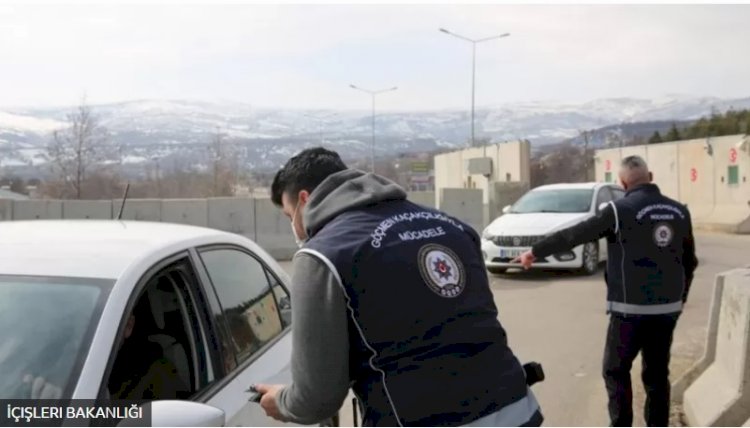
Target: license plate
511	254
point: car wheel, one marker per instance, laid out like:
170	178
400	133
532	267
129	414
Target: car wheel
590	255
497	270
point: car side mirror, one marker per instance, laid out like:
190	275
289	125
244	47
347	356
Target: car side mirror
178	413
602	206
506	209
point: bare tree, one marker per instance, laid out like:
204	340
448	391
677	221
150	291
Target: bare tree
76	151
223	166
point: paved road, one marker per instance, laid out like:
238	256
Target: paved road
559	320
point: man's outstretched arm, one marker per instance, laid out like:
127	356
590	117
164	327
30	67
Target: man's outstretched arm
597	227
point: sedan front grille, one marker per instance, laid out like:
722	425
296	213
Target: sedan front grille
516	241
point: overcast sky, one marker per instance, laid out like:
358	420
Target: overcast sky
306	56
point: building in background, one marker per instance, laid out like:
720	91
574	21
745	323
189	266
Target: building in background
506	162
415	171
500	172
707	174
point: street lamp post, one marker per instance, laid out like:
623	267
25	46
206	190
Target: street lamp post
473	71
372	94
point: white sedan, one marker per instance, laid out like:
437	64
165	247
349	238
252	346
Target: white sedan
540	212
206	313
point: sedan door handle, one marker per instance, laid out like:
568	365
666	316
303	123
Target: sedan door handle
255	395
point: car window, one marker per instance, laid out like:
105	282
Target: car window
246	297
163	353
554	201
46	325
603	197
282	299
618	193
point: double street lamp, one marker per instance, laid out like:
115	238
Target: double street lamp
373	94
473	71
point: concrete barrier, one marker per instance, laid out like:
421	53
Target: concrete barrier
185	211
236	215
274	231
80	210
709	354
138	209
720	396
37	210
466	205
6	209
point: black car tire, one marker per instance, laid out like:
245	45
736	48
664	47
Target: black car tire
590	258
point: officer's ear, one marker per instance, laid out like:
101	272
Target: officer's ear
303	196
650	176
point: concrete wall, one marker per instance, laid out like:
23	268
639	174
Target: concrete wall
257	219
510	164
426	198
138	209
685	171
465	205
6	209
720	395
35	210
236	215
185	211
82	210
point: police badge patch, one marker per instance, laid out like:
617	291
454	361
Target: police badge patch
442	270
663	234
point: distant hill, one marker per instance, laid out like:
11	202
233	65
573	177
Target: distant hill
180	131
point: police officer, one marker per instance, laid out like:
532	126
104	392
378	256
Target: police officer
649	271
392	299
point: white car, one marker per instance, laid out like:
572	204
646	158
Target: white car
540	212
214	304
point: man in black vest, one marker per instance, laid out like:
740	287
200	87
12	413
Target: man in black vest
649	271
391	299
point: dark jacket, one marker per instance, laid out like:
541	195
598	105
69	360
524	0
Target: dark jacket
651	251
425	346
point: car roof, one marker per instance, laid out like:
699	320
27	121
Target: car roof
560	186
91	248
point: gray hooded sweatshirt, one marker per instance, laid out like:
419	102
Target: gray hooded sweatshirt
320	337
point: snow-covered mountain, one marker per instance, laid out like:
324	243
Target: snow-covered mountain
264	138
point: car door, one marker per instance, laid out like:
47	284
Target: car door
603	196
169	329
251	306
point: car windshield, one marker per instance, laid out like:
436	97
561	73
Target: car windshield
554	201
46	326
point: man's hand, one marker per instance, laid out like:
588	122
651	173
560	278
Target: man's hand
268	400
526	259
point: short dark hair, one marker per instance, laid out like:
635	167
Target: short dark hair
305	171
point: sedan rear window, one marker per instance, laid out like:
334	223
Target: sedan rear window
554	201
46	326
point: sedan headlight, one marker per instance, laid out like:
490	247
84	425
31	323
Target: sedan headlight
487	235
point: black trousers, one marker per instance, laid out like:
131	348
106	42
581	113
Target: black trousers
652	336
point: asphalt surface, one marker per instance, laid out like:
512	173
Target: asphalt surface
559	320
